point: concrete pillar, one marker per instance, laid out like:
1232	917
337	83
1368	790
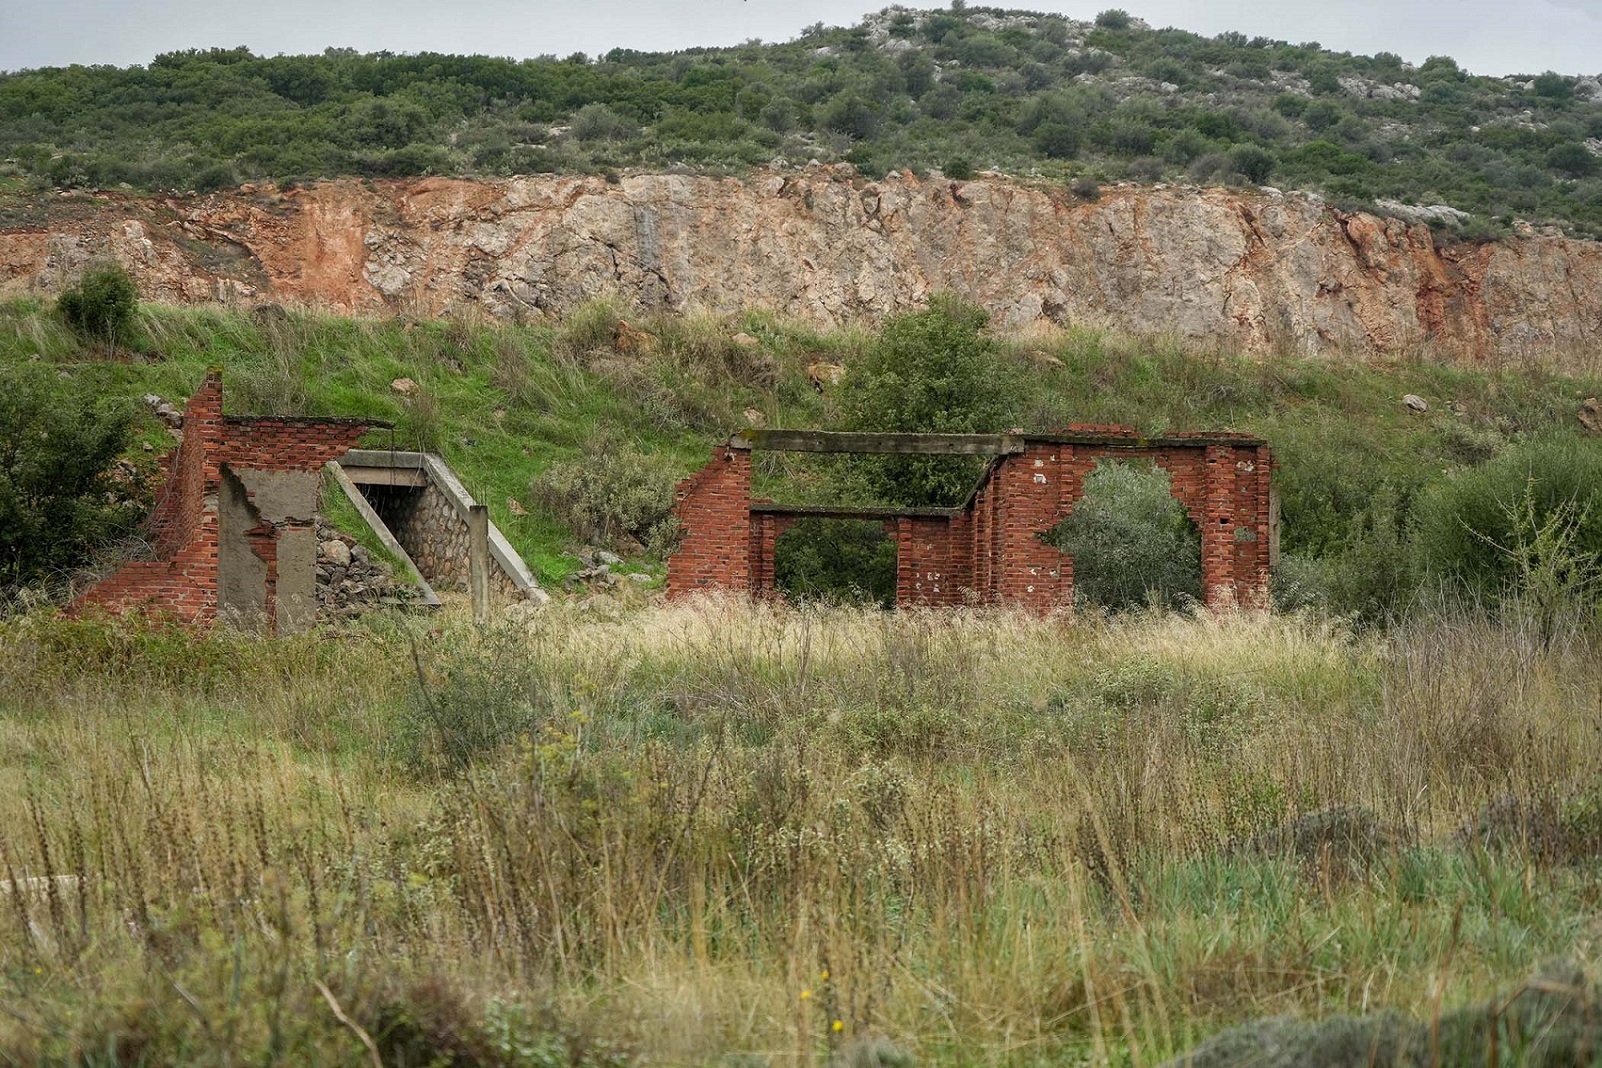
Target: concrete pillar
478	562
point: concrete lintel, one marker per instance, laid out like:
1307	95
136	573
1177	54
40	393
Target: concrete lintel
379	527
905	444
386	476
381	458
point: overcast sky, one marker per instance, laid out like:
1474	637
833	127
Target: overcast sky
1486	36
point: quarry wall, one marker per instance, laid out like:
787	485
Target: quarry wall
1251	270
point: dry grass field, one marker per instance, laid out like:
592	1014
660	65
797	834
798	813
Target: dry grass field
730	834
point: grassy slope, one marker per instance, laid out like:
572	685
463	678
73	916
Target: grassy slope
502	402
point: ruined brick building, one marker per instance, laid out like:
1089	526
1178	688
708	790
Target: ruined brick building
990	550
233	535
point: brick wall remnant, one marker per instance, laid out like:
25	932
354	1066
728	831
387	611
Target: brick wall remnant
233	532
991	550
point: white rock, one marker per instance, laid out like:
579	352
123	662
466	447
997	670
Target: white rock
335	552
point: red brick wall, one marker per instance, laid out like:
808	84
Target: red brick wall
1032	491
181	497
288	444
714	511
182	580
934	561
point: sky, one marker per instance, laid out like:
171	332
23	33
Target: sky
1485	36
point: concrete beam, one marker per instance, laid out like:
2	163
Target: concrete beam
386	476
905	444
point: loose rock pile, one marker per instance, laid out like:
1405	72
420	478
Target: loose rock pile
350	581
597	573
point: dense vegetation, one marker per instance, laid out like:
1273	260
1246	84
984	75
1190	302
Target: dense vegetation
955	90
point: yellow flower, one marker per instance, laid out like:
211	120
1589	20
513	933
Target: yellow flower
824	975
839	1025
805	994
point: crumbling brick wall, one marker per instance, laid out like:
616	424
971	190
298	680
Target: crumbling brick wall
182	580
991	551
714	511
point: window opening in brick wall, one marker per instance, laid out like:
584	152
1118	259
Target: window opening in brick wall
1131	540
847	561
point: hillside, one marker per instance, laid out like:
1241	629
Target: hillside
949	91
506	403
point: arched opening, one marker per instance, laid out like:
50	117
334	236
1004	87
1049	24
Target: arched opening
840	561
1131	541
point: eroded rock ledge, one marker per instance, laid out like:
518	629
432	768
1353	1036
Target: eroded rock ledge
1258	271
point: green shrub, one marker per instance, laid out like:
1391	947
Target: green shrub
958	169
469	703
1255	163
1085	188
1057	140
930	371
613	494
597	122
838	561
1374	578
1574	160
1476	525
1113	19
1131	542
102	306
57	447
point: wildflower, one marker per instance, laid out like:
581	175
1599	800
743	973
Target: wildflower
805	994
839	1025
824	975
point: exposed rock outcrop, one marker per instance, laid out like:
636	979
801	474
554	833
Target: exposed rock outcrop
1249	270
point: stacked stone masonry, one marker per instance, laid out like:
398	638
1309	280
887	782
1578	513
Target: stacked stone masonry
435	536
233	531
992	550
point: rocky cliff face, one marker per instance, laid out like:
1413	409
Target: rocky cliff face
1256	271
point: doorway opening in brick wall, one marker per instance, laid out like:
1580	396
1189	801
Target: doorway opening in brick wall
1131	540
836	560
